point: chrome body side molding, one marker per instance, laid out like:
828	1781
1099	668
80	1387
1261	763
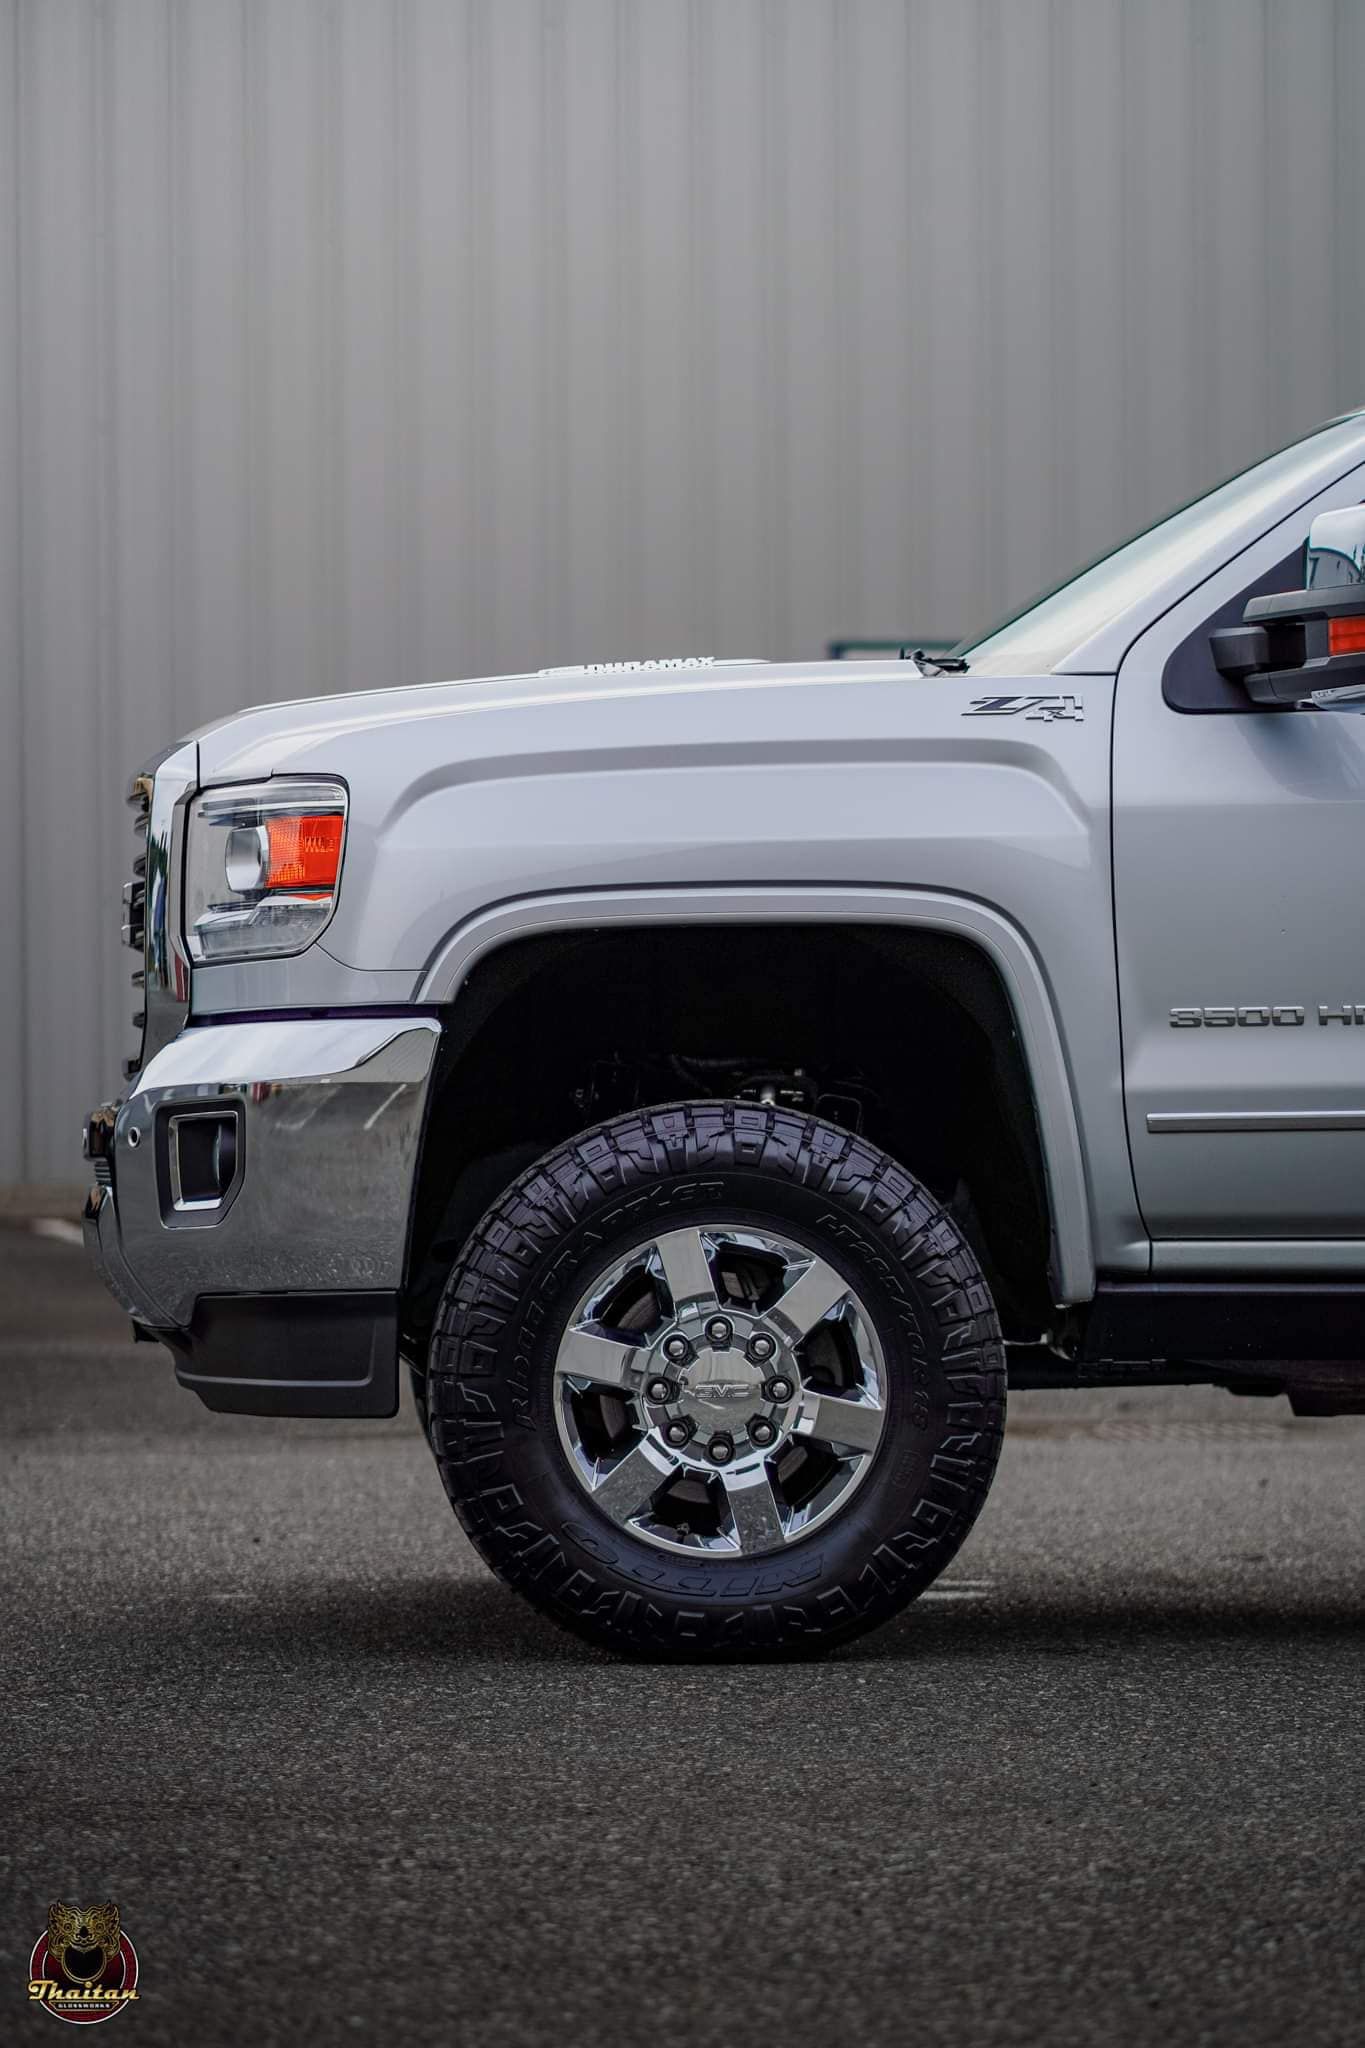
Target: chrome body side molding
1213	1121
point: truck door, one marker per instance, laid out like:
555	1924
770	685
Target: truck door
1239	842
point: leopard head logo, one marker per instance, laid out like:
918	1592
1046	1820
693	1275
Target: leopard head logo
84	1939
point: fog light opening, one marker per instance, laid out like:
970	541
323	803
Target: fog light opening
201	1158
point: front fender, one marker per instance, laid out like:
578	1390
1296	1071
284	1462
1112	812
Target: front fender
1069	1197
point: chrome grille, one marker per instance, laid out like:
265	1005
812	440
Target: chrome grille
164	998
135	909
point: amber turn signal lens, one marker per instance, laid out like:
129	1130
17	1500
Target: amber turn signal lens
1346	636
304	852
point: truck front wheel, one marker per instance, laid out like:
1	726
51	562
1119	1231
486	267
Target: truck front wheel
716	1380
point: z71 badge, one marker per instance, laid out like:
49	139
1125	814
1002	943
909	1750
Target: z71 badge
1028	707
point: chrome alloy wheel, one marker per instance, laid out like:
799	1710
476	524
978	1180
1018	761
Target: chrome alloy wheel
720	1389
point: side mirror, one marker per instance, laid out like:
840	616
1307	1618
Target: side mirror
1335	555
1310	642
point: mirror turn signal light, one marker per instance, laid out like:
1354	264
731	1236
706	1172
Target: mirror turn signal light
1346	635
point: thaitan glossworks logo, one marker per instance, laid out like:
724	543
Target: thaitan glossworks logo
83	1966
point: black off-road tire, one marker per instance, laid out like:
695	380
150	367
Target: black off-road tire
490	1381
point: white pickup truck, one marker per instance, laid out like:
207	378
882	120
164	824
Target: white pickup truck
715	1079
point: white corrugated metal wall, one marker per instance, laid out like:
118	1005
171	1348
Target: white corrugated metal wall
354	341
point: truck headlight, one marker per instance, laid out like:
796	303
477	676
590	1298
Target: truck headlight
262	862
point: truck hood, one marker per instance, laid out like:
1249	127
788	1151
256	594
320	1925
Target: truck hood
278	738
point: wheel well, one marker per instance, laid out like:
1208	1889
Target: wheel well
905	1035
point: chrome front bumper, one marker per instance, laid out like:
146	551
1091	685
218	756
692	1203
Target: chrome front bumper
312	1234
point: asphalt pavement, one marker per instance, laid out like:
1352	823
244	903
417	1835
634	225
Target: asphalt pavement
1104	1785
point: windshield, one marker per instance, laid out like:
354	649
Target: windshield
1034	640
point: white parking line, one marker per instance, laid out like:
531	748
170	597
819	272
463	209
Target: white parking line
58	1227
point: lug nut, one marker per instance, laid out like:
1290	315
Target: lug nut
721	1449
761	1431
719	1331
678	1432
659	1390
779	1388
677	1350
760	1347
